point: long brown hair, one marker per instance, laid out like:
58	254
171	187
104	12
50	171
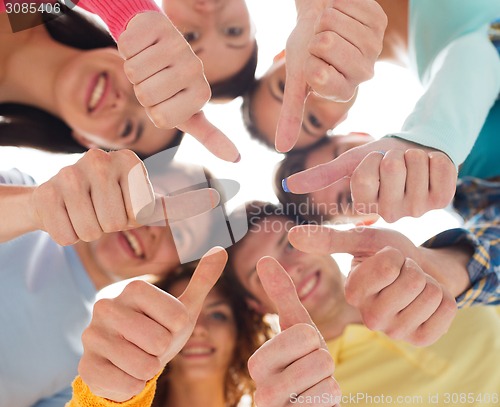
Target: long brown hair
251	330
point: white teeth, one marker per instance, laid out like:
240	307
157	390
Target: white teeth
97	92
134	243
304	291
197	351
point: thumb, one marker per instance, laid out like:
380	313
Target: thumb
323	175
281	291
292	111
211	137
204	278
357	241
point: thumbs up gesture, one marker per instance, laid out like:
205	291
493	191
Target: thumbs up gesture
397	177
295	364
399	289
133	336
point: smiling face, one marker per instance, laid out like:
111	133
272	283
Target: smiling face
320	115
219	31
317	279
209	351
98	103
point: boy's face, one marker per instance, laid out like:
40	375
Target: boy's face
319	283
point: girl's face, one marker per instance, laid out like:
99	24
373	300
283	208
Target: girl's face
209	351
219	31
335	200
320	115
97	101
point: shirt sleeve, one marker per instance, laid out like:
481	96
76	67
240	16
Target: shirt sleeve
484	265
464	82
83	397
15	177
117	13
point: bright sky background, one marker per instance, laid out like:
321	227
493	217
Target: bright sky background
381	107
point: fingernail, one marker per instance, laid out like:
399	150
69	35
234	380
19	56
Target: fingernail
284	185
380	152
214	198
237	159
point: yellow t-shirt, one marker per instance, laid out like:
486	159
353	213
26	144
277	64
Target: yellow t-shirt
461	369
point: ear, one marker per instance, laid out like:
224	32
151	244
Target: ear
84	141
256	306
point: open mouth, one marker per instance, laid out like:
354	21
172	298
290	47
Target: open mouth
96	96
308	286
133	243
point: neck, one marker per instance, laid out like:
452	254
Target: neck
395	47
196	393
336	322
98	278
36	56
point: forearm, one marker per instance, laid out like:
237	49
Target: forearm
17	218
463	85
117	13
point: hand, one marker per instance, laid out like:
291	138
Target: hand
391	177
295	362
103	193
133	336
169	81
386	283
332	49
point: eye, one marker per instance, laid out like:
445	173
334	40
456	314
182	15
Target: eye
289	248
233	31
127	130
314	121
191	36
219	316
281	86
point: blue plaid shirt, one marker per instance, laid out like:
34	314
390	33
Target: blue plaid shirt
478	202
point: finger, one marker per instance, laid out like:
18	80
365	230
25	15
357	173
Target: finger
109	204
299	340
392	185
357	241
417	182
179	207
326	393
211	137
305	372
373	275
58	225
442	179
82	216
281	291
160	87
323	175
137	193
106	380
137	71
292	112
204	278
365	183
368	13
438	324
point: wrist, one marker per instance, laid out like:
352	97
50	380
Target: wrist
448	265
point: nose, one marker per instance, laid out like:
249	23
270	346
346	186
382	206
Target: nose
292	267
201	327
207	6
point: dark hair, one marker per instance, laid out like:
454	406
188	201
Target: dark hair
251	330
256	212
28	126
237	84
